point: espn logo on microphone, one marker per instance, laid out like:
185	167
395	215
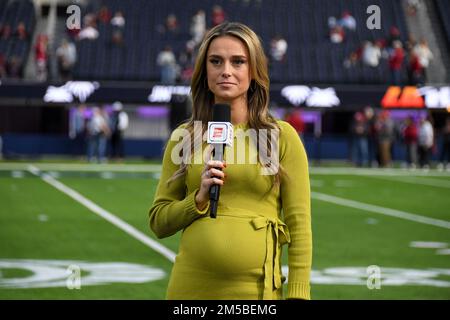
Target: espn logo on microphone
220	133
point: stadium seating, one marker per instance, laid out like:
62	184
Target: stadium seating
444	12
311	56
11	14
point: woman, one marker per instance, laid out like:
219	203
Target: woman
237	255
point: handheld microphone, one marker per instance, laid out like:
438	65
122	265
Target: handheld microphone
220	134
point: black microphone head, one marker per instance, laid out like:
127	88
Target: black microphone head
221	112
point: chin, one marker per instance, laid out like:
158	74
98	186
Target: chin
227	96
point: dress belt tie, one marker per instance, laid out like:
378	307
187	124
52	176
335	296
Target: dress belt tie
272	272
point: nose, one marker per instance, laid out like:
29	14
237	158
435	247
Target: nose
226	72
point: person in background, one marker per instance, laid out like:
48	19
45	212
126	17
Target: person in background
118	27
118	125
445	147
6	32
396	58
186	62
425	142
360	131
89	31
198	26
218	15
118	21
67	58
371	54
347	21
78	130
415	69
372	144
104	15
263	204
41	57
294	118
168	65
337	34
14	67
424	55
278	48
385	135
172	24
98	133
2	66
410	136
21	32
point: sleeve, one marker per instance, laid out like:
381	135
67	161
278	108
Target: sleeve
172	208
296	201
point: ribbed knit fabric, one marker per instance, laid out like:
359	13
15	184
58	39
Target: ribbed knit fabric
233	256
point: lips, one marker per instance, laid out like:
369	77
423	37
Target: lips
226	83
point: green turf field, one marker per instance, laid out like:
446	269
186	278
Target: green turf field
60	237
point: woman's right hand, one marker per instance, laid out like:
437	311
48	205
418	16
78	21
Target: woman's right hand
211	175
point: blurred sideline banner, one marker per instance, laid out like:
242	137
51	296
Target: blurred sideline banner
322	96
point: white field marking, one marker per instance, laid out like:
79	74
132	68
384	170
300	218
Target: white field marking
428	244
58	273
54	174
107	175
371	221
374	172
43	218
344	183
381	210
8	166
443	251
17	174
316	183
417	180
389	276
130	230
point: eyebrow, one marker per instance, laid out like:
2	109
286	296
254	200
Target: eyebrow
234	56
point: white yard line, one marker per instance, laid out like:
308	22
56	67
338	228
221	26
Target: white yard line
381	210
375	172
416	180
108	216
6	166
9	166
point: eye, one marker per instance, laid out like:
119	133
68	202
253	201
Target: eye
214	61
239	61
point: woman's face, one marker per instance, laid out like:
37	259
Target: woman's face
227	68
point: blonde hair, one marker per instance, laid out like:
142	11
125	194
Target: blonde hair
257	94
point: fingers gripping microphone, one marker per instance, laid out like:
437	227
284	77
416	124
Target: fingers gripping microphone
220	134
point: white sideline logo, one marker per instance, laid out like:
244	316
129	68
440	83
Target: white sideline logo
315	97
430	277
63	273
164	93
79	89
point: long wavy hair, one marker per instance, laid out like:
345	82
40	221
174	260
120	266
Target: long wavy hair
257	94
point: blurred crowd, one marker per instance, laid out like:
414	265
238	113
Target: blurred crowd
373	136
93	129
411	56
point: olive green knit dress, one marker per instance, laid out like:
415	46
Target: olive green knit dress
238	254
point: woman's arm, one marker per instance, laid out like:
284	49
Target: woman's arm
172	208
296	202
